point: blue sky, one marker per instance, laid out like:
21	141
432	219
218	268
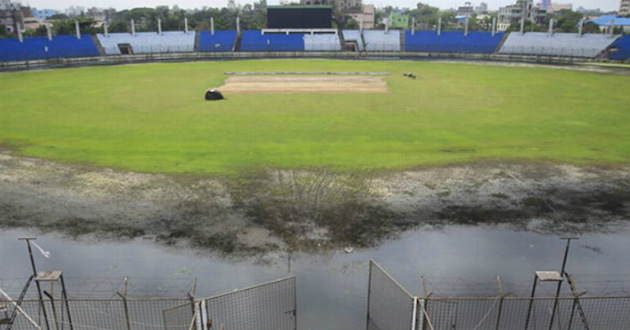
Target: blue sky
122	4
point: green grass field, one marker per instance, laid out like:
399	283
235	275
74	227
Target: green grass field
153	118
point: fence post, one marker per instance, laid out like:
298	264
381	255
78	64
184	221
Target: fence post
127	321
367	317
501	296
425	289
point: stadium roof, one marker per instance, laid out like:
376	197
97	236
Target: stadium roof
608	20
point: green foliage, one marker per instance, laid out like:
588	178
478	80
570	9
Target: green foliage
58	16
67	26
566	21
152	117
528	27
3	32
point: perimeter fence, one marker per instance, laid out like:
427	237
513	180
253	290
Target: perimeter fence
392	307
267	306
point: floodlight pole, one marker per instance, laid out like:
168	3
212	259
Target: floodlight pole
39	288
564	264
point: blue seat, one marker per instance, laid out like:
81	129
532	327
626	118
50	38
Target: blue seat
452	42
623	49
220	41
36	48
255	41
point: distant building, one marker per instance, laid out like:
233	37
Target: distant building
366	16
398	20
13	14
43	14
545	4
342	5
624	7
231	4
466	10
75	11
521	10
560	6
481	9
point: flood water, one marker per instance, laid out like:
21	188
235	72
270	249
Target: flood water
332	287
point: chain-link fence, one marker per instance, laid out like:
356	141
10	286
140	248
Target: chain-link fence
269	306
391	307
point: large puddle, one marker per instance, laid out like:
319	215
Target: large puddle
332	288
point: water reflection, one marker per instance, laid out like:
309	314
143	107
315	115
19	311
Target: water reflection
332	287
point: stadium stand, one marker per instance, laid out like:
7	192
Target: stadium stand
452	42
558	44
322	42
381	41
149	42
220	41
35	48
255	41
622	49
353	35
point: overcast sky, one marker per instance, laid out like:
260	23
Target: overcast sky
189	4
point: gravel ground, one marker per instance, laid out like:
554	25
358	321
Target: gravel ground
306	211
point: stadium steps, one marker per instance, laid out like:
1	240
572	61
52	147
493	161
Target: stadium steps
196	45
500	45
101	50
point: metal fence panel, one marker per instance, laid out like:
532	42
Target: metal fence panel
390	306
178	317
269	306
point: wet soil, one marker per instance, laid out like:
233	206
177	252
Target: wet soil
307	211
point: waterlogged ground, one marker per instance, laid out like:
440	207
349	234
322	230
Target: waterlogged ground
306	211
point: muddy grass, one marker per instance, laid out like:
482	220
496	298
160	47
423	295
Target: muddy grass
307	211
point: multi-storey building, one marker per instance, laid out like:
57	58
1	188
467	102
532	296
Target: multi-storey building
522	10
624	7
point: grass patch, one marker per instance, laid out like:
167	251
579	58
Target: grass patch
152	117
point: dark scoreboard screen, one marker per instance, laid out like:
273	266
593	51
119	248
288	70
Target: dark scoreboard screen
299	17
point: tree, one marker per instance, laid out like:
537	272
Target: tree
566	20
4	33
117	26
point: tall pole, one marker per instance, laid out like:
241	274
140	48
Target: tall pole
76	27
439	29
105	30
48	31
564	264
159	26
466	26
238	25
19	31
413	25
133	27
212	25
186	25
494	26
581	28
39	288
